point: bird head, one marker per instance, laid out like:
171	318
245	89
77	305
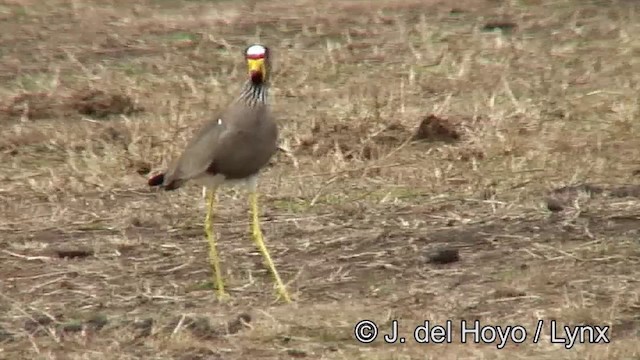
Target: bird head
258	63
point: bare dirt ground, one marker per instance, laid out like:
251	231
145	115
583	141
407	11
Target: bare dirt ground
439	162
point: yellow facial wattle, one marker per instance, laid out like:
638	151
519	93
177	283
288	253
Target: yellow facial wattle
256	67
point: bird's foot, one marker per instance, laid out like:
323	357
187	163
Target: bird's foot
223	296
283	294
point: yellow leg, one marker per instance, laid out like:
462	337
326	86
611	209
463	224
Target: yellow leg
213	253
257	237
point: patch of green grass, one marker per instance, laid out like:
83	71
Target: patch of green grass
72	326
19	12
298	205
177	3
292	205
180	36
131	68
34	82
206	285
401	193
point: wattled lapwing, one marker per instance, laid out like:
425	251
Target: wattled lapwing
231	149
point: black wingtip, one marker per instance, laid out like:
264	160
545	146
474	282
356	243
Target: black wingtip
156	180
159	180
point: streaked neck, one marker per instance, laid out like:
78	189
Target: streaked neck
254	95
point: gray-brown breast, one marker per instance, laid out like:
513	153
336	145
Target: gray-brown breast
247	143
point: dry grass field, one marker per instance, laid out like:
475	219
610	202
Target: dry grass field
439	162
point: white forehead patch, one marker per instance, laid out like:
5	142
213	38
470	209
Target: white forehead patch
255	50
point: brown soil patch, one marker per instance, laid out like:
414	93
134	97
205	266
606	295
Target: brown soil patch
99	104
436	128
351	141
89	102
362	141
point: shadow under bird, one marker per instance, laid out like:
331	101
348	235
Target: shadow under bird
232	148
